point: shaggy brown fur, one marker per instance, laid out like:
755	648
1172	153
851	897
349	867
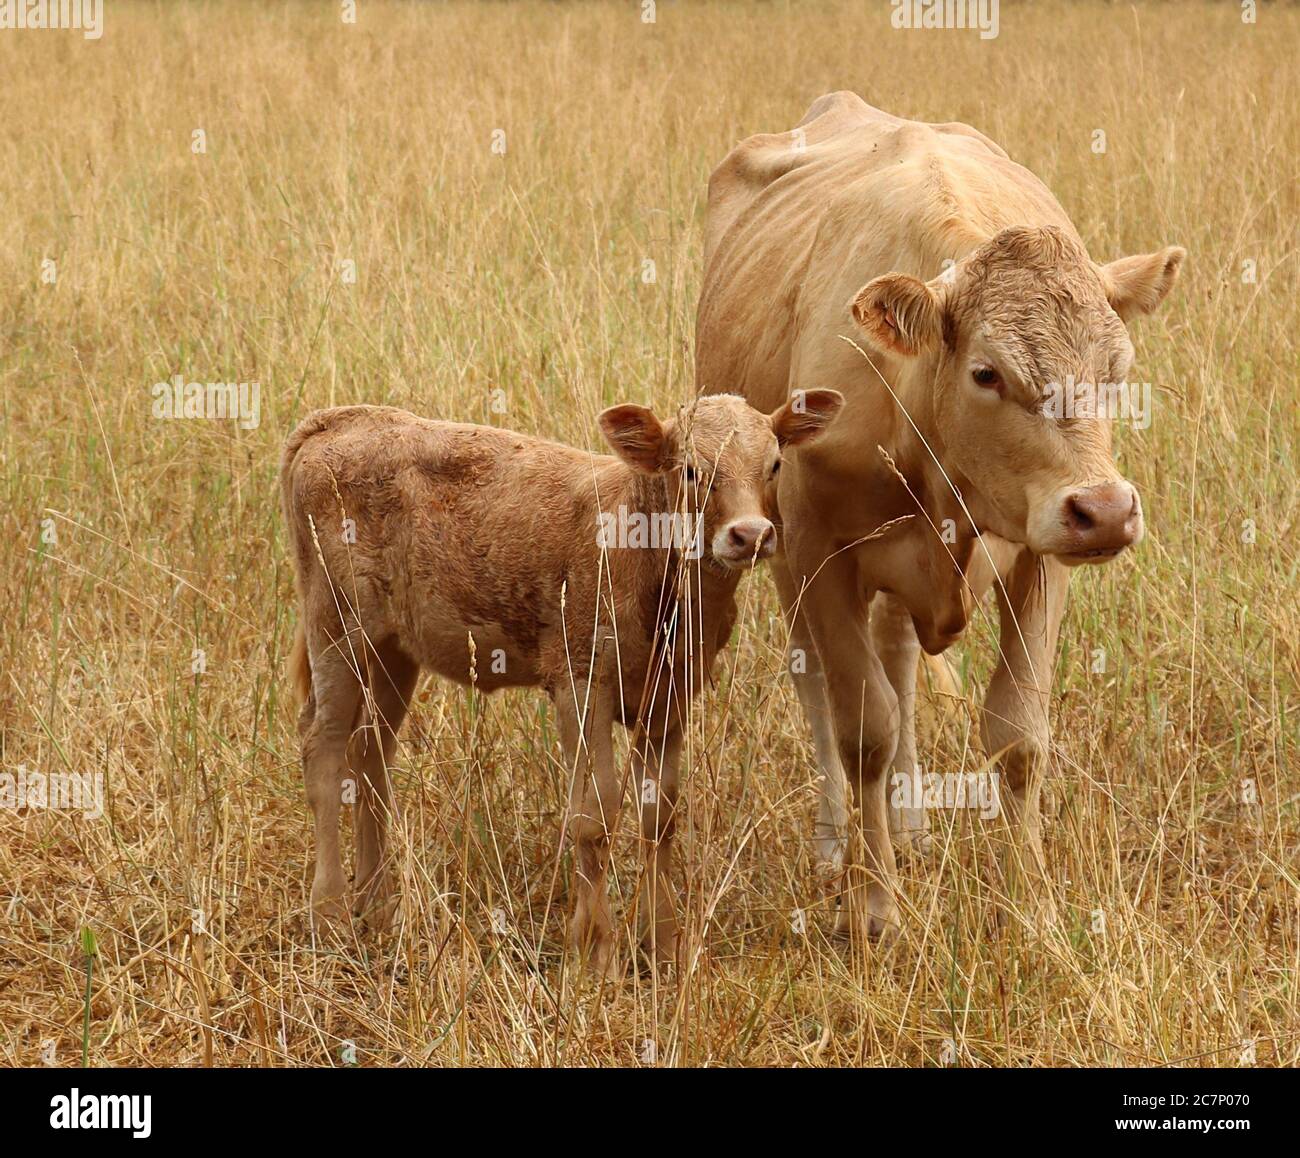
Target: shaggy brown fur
480	554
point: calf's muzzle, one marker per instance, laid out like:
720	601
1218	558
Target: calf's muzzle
744	540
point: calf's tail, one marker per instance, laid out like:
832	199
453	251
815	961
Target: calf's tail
299	664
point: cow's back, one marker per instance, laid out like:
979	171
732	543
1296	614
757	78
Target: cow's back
798	221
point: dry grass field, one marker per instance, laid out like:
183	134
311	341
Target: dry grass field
511	288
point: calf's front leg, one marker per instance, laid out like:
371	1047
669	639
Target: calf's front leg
595	797
656	761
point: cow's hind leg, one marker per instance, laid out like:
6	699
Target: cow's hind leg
392	680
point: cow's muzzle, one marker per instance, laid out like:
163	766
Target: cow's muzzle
1098	522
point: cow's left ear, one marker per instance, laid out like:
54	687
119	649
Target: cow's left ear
1137	285
898	313
805	415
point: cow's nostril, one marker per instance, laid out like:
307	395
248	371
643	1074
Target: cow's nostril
1076	511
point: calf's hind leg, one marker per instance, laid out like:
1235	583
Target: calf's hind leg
392	680
336	692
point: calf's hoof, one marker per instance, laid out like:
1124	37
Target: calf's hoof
594	946
657	955
602	963
328	912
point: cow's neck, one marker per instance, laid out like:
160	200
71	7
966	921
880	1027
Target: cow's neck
936	547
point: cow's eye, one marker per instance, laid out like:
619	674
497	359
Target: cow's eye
986	377
688	472
776	469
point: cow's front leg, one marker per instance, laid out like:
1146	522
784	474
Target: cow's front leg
595	796
655	764
805	666
865	712
899	651
1014	722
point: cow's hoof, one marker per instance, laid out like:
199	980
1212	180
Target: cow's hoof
883	922
377	914
914	842
655	962
656	954
830	876
883	930
604	964
875	918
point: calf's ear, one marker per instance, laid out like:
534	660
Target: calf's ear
637	437
898	313
805	415
1138	284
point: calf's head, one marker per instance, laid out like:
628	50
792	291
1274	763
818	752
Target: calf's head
717	459
1021	353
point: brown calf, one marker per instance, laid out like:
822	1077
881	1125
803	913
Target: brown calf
501	560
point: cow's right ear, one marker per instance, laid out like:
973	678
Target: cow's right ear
898	313
637	437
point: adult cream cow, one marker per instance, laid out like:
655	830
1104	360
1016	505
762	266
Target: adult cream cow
941	288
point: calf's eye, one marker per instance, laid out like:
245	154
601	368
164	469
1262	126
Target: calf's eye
986	376
776	469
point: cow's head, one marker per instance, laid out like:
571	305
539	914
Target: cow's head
1020	325
718	457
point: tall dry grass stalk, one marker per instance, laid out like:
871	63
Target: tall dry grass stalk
137	543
